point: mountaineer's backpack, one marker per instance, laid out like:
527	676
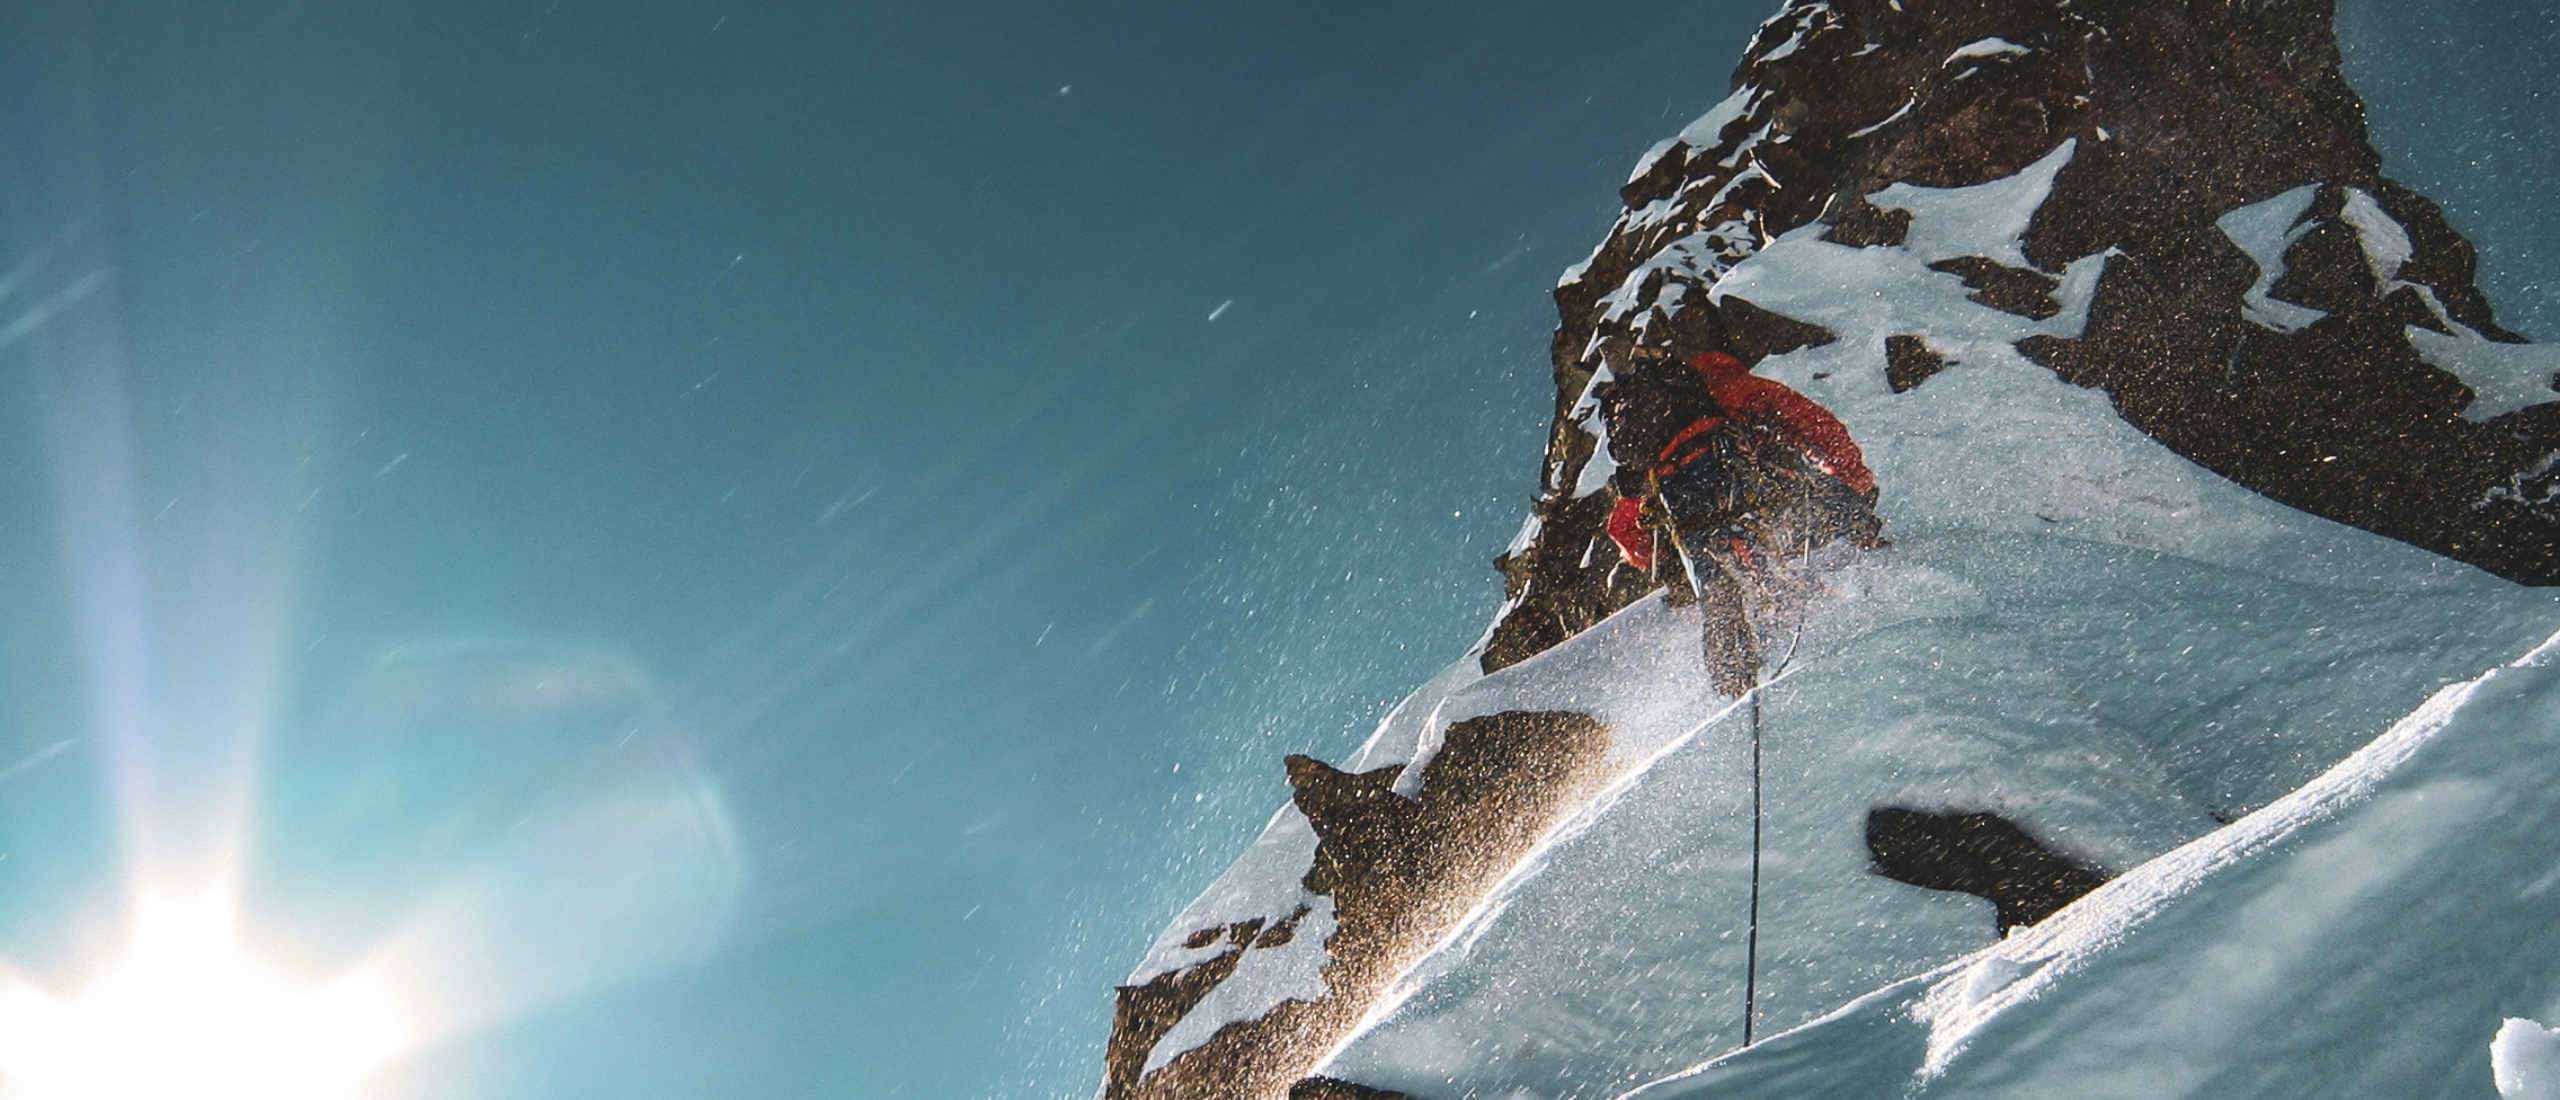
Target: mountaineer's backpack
1727	477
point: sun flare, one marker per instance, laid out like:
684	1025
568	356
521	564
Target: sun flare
189	1012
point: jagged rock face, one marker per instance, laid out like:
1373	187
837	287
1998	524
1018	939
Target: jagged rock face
1401	872
2311	390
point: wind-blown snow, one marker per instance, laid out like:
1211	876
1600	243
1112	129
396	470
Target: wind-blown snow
2112	700
1265	884
2023	967
1259	885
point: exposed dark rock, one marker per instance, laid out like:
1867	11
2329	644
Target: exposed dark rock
1401	872
1866	225
2325	268
1144	1013
1982	854
1596	593
1754	334
2023	291
1909	361
1280	934
1326	1088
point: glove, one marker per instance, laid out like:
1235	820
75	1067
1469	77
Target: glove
1627	529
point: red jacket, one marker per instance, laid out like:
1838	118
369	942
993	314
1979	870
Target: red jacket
1810	427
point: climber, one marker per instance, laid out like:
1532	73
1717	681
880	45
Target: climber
1749	478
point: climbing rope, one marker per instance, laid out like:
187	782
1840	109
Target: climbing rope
1751	944
1751	941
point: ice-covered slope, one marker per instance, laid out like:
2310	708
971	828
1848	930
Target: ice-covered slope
2386	930
2185	443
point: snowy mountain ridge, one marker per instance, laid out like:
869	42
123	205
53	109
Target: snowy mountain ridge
2182	455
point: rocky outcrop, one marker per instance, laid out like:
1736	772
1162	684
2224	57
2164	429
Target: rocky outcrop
1978	853
1401	872
2303	373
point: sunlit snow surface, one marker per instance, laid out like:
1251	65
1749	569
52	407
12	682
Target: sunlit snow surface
2075	629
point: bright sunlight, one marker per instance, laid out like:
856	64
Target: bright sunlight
189	1012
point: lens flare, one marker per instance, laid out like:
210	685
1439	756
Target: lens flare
620	859
188	1011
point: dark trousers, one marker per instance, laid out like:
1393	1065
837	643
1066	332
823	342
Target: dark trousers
1747	538
1727	636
